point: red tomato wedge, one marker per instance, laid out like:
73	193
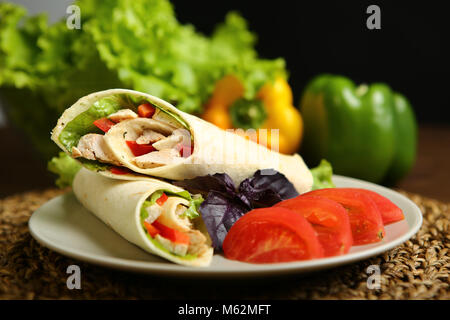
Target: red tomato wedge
152	231
146	110
171	234
390	213
139	149
365	218
104	124
119	170
271	235
161	200
328	218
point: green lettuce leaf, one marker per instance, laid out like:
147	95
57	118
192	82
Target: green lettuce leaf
322	176
65	167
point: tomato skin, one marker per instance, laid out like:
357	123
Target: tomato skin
146	110
328	218
390	213
139	149
161	200
104	124
271	235
365	218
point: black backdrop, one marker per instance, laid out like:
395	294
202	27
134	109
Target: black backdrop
408	52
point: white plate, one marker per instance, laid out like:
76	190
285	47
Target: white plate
63	225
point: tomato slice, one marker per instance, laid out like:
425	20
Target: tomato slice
104	124
152	230
146	110
139	149
119	170
161	200
171	234
271	235
390	213
328	218
365	218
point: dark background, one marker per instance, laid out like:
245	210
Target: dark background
331	36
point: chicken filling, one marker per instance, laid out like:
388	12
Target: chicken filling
164	142
172	229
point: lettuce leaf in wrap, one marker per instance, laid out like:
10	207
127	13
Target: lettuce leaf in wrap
322	176
65	168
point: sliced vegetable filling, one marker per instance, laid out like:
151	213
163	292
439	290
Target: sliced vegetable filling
164	137
170	223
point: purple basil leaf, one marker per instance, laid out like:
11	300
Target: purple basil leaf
220	182
266	188
219	212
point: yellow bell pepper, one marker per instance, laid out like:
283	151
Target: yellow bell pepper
271	109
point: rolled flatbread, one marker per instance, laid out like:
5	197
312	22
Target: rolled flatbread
124	205
168	144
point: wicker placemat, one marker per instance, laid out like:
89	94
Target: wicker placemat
418	269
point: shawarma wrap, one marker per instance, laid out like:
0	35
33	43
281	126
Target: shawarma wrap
157	216
121	128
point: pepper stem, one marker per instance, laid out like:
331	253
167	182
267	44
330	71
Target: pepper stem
248	113
361	89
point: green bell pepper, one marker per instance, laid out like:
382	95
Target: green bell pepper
366	132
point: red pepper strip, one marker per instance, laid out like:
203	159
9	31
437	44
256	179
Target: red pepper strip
119	170
104	124
162	199
146	110
185	151
139	149
172	234
152	231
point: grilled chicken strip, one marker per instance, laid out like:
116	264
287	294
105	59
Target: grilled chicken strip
92	146
158	158
168	143
124	114
149	136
